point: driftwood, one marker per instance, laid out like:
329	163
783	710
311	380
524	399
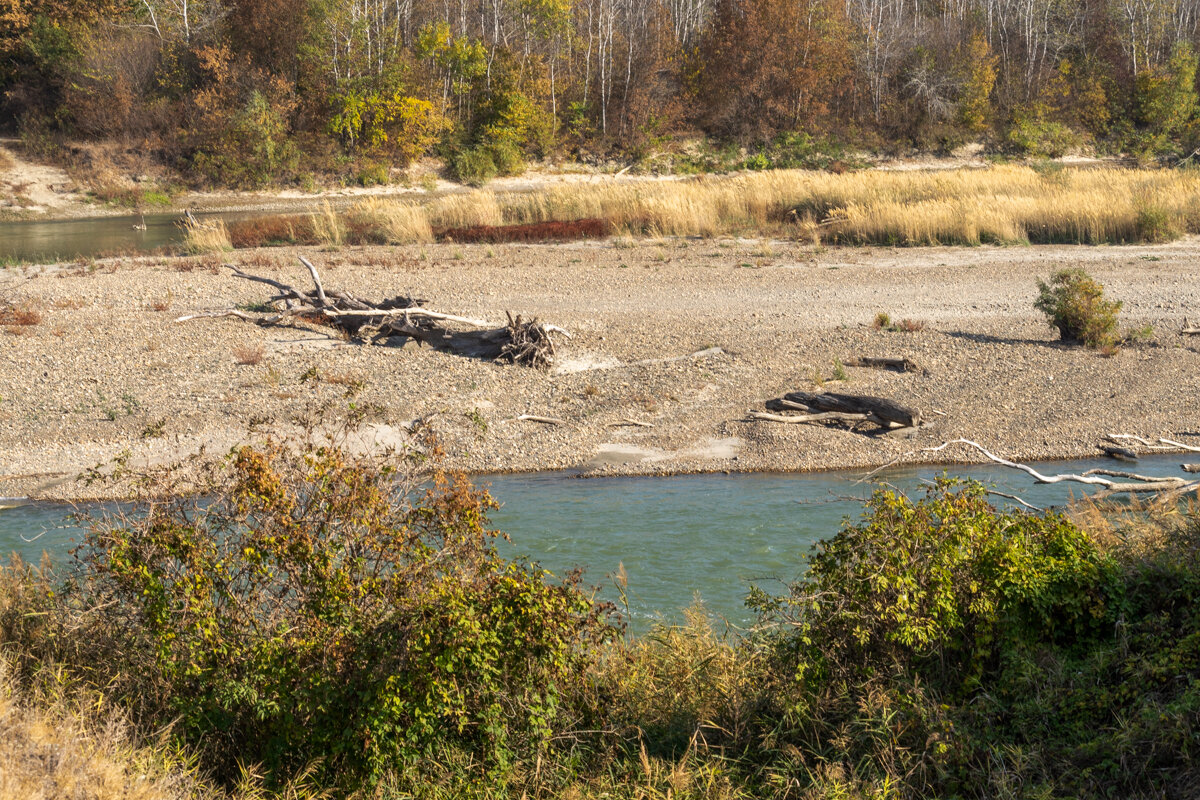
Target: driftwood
631	422
1161	444
542	420
836	407
1119	453
894	364
1190	467
520	341
1189	329
1133	483
879	407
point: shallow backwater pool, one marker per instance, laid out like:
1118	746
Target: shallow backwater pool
38	240
675	537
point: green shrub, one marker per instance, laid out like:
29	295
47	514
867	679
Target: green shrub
1165	96
310	610
757	162
508	158
374	175
941	585
1034	134
1156	223
1074	304
474	166
252	147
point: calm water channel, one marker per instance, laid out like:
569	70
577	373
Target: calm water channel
676	537
63	239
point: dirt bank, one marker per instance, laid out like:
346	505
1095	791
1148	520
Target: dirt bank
107	369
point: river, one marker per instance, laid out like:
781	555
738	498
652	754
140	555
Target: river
676	538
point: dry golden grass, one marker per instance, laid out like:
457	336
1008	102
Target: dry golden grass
52	748
64	743
206	237
400	223
249	355
1004	204
327	226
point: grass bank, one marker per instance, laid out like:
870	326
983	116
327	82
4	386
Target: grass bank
317	617
1003	205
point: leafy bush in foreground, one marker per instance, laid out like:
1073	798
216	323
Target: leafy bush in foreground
310	611
938	647
1075	305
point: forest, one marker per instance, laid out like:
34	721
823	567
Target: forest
244	93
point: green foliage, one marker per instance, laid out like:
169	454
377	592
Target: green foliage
311	611
938	647
942	586
252	149
1074	304
1034	133
374	175
387	122
1165	97
474	166
800	150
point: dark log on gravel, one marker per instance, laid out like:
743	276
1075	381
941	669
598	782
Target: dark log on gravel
1119	453
880	407
527	343
895	364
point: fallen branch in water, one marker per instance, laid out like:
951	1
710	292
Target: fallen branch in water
1139	484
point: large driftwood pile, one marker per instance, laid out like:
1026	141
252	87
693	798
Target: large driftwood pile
520	341
840	408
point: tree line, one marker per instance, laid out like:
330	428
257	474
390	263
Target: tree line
253	91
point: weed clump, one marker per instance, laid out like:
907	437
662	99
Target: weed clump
1074	304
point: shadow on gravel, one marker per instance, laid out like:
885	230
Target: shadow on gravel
987	338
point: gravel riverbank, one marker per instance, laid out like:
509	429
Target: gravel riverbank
109	370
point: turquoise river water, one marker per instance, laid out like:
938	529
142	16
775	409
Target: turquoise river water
710	536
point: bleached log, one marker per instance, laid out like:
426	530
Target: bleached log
820	416
1163	444
1110	487
231	312
316	280
542	420
415	311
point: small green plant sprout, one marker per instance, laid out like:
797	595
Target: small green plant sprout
477	417
155	430
1074	303
883	322
131	403
839	371
1142	334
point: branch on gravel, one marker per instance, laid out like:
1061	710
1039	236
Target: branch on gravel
1163	444
529	343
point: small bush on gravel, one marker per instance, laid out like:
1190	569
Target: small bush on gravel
1075	305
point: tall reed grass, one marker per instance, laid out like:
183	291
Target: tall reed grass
1004	204
209	236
